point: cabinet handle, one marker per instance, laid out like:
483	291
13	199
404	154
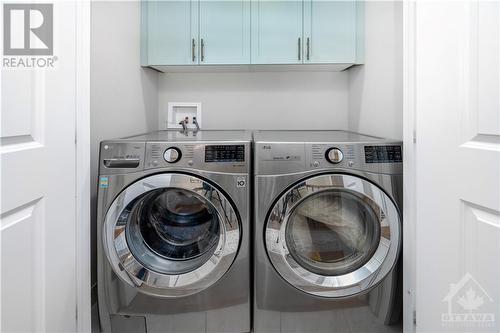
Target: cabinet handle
307	53
193	47
202	50
298	44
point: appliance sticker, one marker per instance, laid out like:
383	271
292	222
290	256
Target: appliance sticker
104	182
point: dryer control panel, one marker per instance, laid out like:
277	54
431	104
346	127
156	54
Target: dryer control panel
383	154
282	158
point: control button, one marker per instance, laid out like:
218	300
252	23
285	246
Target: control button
334	155
154	163
315	164
351	163
172	155
190	162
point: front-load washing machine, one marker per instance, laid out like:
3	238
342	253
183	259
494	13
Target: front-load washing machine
328	232
173	232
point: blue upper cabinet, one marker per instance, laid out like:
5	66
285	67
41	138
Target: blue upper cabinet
224	32
180	33
277	32
331	31
169	32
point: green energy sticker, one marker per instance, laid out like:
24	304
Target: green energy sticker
104	182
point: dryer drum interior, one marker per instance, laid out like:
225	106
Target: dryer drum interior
332	232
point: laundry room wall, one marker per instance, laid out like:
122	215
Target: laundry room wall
124	96
261	100
376	88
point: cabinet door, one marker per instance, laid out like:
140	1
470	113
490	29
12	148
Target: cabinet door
224	32
330	31
170	30
276	32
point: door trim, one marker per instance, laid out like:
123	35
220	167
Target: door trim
82	195
409	175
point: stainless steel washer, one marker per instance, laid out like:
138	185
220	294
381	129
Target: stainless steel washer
328	232
173	249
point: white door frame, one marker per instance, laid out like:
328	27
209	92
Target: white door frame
409	177
82	214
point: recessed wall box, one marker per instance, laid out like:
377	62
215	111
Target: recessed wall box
178	111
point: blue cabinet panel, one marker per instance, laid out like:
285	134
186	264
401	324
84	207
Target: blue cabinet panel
170	30
242	32
225	32
330	30
276	32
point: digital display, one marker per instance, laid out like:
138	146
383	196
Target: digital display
225	153
383	154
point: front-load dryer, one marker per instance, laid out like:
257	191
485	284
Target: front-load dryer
328	232
173	232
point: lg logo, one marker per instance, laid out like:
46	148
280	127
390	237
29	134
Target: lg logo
28	29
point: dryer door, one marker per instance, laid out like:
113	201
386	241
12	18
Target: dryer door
333	235
171	235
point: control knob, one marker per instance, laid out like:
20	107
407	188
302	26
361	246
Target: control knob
172	155
334	155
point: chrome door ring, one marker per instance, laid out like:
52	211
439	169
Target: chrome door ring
150	282
349	284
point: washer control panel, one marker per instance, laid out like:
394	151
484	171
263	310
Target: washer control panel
172	155
222	157
334	155
224	153
121	157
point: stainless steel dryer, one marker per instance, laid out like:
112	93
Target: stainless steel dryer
328	232
173	247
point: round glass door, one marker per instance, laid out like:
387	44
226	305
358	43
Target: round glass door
333	235
177	224
171	235
332	232
172	230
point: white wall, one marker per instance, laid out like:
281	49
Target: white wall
366	99
124	97
376	88
261	100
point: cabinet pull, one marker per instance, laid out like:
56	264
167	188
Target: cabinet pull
202	50
193	47
298	44
307	53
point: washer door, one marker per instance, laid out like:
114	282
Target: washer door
171	235
333	235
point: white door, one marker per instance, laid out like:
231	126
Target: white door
38	187
457	113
